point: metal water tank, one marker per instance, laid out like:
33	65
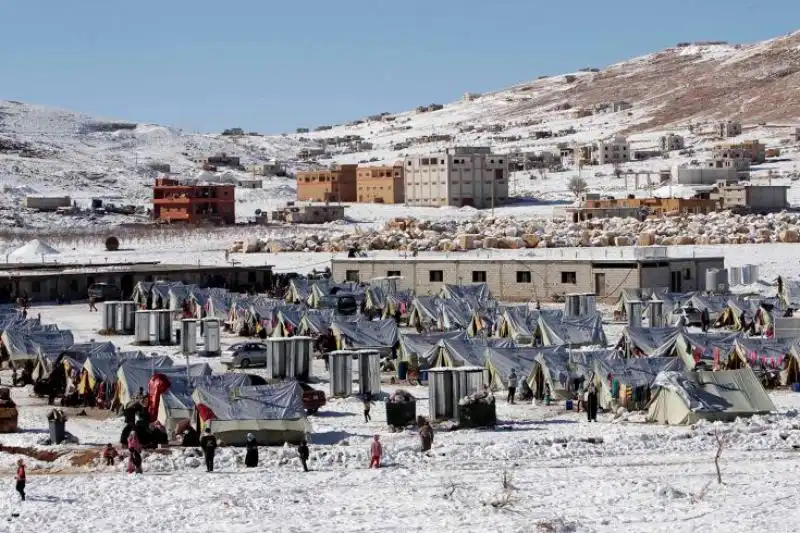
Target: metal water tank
717	280
277	356
735	276
786	328
142	327
634	312
341	373
188	335
210	336
588	304
441	394
110	317
301	351
572	304
471	379
125	317
746	280
163	329
753	273
655	312
369	372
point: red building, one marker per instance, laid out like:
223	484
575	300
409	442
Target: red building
174	201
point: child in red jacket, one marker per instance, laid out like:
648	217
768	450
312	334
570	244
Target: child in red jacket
109	454
376	450
20	477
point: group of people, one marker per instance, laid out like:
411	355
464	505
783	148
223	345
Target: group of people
587	394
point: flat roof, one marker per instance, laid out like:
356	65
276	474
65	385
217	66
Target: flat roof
22	270
519	259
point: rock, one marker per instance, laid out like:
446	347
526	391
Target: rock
467	241
684	240
646	238
514	243
622	241
788	235
512	231
531	240
252	246
490	242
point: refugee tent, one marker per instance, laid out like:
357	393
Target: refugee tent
315	322
767	356
103	368
365	334
521	323
551	373
710	349
160	293
421	348
626	382
298	291
715	305
582	361
455	314
425	313
218	304
501	361
648	342
170	392
324	293
464	351
584	330
274	414
688	397
475	295
143	294
731	316
180	296
136	374
397	301
26	343
790	296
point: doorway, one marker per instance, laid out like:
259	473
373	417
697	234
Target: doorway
675	281
600	284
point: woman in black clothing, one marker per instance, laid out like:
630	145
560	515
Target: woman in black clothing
251	457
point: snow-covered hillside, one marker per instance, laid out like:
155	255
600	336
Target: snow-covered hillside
47	151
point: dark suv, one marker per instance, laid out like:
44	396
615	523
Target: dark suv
101	292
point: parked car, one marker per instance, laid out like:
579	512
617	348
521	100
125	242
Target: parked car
245	355
313	398
104	291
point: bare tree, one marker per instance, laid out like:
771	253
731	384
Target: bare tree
577	186
720	445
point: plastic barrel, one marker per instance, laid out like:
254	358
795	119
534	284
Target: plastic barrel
402	369
423	376
796	387
569	405
57	431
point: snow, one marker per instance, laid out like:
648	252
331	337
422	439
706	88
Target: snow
31	252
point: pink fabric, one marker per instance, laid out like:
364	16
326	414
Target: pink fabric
133	443
377	449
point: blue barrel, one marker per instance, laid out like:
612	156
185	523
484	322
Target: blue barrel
57	431
796	387
569	405
423	376
402	369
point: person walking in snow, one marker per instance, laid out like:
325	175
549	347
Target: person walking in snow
20	478
512	385
426	436
135	451
208	443
376	451
92	306
109	454
591	402
251	457
367	406
302	451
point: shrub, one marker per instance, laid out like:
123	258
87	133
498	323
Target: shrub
112	244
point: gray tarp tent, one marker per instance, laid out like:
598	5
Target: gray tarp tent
573	331
648	342
365	334
273	413
422	348
626	382
687	397
136	374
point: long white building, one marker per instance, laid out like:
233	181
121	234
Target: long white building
458	176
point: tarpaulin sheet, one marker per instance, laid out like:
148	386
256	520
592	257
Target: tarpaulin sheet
365	334
281	401
651	342
573	331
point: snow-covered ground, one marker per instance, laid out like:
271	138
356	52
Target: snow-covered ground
563	474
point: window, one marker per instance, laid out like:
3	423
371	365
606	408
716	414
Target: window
424	161
441	161
436	276
569	277
409	163
687	274
523	276
478	276
351	275
393	273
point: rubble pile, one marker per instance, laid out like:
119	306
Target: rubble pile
410	234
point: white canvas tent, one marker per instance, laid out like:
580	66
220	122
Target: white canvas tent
687	397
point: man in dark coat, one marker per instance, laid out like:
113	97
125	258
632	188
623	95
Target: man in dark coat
426	436
591	402
251	456
705	319
325	344
208	443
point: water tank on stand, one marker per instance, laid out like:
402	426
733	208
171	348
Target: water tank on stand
163	329
735	276
110	317
572	305
369	373
717	280
277	356
142	327
634	312
125	317
468	380
655	312
753	273
299	363
587	304
441	393
188	335
210	328
341	373
746	275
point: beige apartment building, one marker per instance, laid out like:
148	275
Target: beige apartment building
381	184
462	176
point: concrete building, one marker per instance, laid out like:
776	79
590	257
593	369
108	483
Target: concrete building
45	282
640	207
621	105
381	184
796	135
730	156
336	184
271	168
174	201
729	128
756	151
305	214
47	203
249	183
525	278
459	176
218	160
756	198
609	151
671	142
686	175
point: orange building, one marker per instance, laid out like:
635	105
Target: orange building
174	201
640	207
336	184
381	184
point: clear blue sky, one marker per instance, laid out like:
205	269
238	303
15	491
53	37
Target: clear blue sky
271	65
